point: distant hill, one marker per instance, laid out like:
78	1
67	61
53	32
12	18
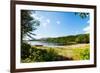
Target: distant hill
66	40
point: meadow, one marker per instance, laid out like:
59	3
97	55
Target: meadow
60	53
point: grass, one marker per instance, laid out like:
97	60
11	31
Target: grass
61	53
75	52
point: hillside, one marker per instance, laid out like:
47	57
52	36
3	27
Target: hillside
67	40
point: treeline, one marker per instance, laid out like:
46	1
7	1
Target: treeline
67	40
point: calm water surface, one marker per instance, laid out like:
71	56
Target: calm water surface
43	43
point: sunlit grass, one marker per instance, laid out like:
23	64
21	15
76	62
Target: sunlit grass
61	53
76	52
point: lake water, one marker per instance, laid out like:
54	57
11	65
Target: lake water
42	43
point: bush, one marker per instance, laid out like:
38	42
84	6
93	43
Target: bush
50	55
32	54
81	54
85	55
25	50
41	55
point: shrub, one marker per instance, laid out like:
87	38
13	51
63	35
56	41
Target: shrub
33	54
85	55
81	54
41	55
50	55
25	50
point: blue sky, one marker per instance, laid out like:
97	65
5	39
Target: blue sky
56	24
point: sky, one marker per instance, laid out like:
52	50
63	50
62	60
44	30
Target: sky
57	24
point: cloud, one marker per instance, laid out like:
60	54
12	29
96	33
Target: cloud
37	17
46	22
58	22
88	21
38	36
87	28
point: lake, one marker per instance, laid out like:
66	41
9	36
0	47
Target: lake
43	43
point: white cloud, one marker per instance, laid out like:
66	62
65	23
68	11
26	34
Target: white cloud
88	21
87	28
46	22
58	22
37	17
38	36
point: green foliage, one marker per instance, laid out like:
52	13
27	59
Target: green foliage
50	55
82	54
82	15
32	54
28	23
68	40
25	50
85	55
82	38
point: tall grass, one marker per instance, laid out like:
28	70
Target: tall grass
44	54
81	54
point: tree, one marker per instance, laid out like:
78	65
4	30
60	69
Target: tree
82	14
28	23
82	38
